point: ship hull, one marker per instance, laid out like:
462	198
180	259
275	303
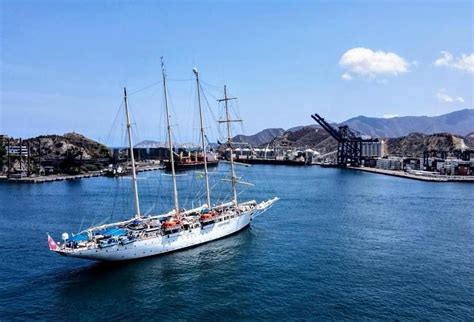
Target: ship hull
181	166
166	243
272	161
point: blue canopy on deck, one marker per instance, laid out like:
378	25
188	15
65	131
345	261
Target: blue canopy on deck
79	237
113	231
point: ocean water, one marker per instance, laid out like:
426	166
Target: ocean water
340	244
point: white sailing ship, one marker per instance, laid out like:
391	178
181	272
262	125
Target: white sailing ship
143	236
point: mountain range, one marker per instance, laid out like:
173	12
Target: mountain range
260	138
414	144
459	123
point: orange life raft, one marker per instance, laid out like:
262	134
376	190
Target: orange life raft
170	224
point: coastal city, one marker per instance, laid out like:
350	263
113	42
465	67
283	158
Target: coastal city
236	160
439	157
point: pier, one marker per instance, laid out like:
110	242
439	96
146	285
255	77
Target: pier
56	177
403	174
272	161
63	177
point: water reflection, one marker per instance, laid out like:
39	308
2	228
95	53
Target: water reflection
165	273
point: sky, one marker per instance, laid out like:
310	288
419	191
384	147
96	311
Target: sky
64	63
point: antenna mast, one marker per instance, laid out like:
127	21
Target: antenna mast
233	178
173	172
203	144
130	145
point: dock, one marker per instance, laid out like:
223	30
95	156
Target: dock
56	177
271	161
403	174
66	177
150	168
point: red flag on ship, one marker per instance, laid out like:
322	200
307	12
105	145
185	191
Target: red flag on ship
51	243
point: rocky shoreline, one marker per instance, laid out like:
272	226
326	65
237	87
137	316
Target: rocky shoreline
68	154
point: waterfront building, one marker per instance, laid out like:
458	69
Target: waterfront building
392	163
373	149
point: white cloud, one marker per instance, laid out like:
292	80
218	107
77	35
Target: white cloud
389	116
445	59
465	62
346	76
443	96
368	63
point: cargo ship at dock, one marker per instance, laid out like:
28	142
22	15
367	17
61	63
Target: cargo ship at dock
273	161
192	162
274	156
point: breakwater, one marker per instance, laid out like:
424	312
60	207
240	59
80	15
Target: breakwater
414	176
63	177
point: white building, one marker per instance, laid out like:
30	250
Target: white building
373	149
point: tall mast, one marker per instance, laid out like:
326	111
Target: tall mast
203	144
130	145
170	143
233	178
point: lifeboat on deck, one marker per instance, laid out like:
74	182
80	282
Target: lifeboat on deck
210	216
170	224
206	216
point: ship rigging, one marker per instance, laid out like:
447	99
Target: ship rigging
143	235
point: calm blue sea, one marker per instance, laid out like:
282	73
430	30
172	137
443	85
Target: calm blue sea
340	244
